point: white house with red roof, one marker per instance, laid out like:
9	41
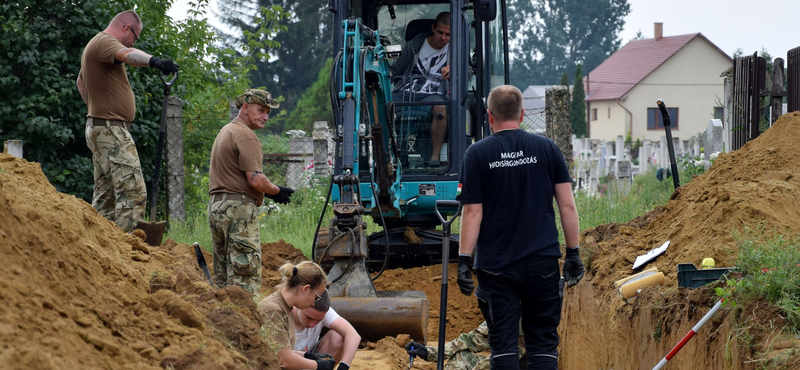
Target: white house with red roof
684	71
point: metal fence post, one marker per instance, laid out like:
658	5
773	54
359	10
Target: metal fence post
176	206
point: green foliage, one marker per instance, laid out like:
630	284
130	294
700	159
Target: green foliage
43	41
289	70
768	262
315	105
557	35
565	79
577	113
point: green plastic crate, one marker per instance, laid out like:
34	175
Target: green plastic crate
691	277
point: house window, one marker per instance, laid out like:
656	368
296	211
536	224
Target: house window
594	114
654	119
609	112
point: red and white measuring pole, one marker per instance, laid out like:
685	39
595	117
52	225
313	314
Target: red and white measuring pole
689	336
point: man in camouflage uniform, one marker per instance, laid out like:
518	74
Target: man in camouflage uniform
119	190
461	353
236	187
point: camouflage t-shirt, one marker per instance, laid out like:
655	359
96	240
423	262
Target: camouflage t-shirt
278	328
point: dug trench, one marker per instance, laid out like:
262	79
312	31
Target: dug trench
77	292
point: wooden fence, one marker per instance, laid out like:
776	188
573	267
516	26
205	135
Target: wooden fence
750	98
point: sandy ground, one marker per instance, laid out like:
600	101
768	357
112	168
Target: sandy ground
77	292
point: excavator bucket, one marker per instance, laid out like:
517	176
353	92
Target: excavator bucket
374	314
390	314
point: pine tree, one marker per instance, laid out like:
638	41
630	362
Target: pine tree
565	80
577	114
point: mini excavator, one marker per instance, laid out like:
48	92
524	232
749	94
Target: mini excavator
382	167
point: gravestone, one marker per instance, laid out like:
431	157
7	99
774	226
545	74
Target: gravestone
623	169
714	140
13	147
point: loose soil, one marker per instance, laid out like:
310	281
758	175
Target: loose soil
77	292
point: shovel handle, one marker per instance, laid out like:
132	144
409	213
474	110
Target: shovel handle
450	204
172	81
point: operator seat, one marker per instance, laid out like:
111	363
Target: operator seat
417	26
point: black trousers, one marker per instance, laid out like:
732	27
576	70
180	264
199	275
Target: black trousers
532	292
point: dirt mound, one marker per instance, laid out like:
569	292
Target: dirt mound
273	256
755	187
78	292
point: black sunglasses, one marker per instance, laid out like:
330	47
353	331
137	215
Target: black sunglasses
135	36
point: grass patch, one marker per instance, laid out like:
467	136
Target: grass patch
621	202
295	223
770	266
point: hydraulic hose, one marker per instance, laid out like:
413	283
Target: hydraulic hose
383	222
319	222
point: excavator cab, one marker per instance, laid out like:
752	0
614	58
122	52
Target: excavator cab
384	167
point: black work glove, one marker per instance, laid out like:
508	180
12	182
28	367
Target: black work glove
573	266
323	364
317	356
465	282
417	349
284	195
164	65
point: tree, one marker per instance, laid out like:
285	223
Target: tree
565	79
42	41
577	113
289	70
315	104
557	35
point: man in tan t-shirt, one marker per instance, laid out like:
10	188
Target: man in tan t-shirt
237	186
119	190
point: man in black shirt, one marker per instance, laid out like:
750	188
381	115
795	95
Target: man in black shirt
508	183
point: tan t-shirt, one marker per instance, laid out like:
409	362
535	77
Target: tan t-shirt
278	329
236	150
108	92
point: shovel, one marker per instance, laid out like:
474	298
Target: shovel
676	182
201	261
445	262
155	229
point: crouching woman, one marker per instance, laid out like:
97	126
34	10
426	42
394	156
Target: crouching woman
301	286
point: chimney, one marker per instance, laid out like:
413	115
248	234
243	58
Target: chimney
658	30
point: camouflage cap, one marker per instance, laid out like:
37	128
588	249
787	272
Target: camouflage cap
257	96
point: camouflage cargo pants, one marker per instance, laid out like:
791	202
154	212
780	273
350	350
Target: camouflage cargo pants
467	360
237	243
119	190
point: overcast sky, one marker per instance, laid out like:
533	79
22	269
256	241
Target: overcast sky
730	24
